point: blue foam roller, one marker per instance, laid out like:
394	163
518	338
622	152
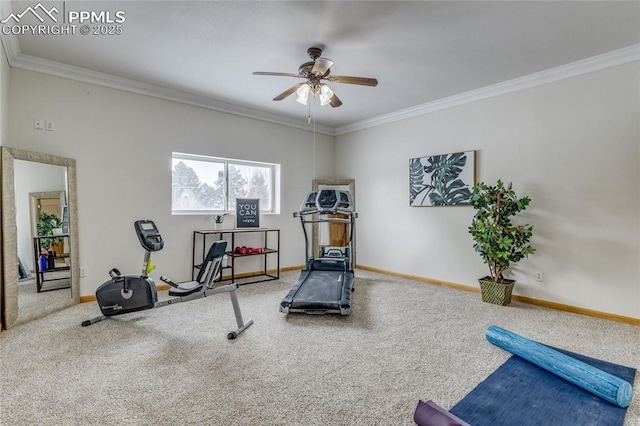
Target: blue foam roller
607	386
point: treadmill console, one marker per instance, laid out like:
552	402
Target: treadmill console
310	201
148	235
326	200
345	200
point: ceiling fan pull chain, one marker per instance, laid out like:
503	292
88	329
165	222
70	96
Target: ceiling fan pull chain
314	141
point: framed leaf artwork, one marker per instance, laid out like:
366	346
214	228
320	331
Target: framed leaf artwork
442	180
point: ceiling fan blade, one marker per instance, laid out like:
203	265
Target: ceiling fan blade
287	92
363	81
335	101
280	74
321	66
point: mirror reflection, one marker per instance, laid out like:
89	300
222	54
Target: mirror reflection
44	274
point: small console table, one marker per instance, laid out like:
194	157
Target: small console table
46	274
270	243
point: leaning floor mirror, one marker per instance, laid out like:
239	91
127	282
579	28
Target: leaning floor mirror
39	234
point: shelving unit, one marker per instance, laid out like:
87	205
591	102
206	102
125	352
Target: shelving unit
57	272
202	240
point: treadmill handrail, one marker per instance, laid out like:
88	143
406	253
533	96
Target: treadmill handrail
334	220
332	259
332	211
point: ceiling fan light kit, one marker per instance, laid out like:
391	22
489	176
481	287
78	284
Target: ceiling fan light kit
325	94
315	71
303	94
323	91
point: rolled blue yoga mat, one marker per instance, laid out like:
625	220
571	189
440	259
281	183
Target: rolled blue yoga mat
594	380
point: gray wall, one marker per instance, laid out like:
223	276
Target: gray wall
572	146
123	142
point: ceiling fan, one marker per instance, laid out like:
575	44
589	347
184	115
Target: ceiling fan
314	73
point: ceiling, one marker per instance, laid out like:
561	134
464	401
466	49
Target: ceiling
420	52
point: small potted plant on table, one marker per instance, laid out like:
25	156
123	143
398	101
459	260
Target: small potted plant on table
499	242
218	220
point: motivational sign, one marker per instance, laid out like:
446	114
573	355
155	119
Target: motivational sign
247	212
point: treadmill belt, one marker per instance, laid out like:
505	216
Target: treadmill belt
320	290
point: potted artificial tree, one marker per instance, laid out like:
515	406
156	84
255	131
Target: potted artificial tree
499	242
47	223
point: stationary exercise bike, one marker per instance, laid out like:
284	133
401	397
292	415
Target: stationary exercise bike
130	293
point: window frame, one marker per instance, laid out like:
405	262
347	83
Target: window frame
274	195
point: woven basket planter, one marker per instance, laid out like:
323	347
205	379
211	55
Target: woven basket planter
496	293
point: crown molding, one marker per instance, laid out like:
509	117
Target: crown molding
57	69
596	63
9	41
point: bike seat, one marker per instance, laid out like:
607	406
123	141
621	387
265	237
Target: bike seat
186	289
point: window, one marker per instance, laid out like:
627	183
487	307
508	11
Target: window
201	184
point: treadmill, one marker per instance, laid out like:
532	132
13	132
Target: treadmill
326	283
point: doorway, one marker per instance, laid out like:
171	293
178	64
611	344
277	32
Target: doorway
48	205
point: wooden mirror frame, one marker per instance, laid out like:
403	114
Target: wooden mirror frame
9	288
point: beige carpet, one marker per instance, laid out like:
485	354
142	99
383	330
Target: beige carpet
403	342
